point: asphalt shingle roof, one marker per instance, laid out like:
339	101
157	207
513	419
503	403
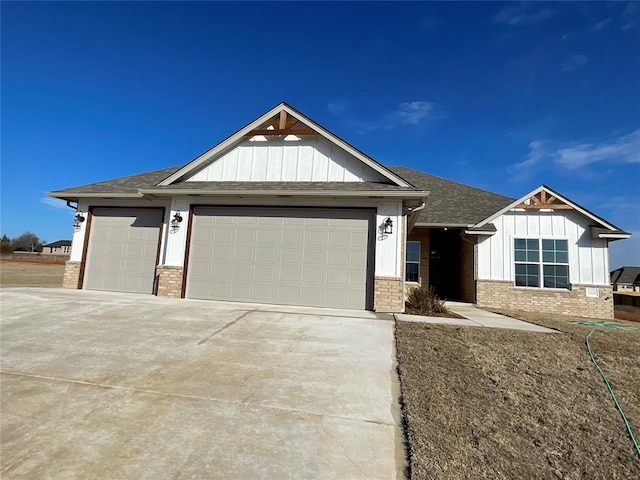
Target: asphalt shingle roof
129	184
450	202
59	243
627	275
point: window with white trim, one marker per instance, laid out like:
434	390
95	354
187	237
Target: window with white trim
412	262
539	258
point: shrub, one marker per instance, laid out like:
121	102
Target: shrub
425	300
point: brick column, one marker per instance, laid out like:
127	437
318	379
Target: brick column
71	278
388	294
169	281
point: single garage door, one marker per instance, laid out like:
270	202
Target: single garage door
308	257
123	249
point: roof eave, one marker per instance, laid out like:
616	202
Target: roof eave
283	193
75	195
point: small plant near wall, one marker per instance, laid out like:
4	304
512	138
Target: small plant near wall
424	301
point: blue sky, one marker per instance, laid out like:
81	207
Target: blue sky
502	96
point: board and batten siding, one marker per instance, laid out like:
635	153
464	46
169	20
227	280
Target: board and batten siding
588	258
310	159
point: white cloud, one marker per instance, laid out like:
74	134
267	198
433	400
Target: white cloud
55	203
521	14
574	62
412	113
622	149
601	25
406	113
338	107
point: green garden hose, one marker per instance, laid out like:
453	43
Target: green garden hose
604	377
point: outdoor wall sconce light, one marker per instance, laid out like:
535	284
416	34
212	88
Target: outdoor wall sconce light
388	225
77	220
175	222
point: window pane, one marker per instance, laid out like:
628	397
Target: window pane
532	244
548	257
520	243
562	257
413	251
548	245
562	246
521	269
527	275
521	256
533	256
556	276
413	272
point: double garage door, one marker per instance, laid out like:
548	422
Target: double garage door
284	256
313	257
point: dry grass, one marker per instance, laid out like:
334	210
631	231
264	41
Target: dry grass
494	403
24	274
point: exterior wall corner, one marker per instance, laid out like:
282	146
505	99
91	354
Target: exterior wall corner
388	294
169	281
71	277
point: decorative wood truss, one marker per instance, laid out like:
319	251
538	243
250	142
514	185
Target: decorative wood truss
543	200
282	124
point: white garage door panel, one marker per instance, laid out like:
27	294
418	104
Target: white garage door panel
283	256
123	248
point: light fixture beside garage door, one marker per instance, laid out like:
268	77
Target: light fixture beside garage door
77	221
176	220
388	226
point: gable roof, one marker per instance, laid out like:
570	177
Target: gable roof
616	232
59	243
128	185
452	203
237	137
628	275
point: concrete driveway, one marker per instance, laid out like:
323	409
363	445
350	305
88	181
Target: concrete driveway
107	385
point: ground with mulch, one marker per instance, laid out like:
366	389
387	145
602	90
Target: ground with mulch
497	403
408	309
28	274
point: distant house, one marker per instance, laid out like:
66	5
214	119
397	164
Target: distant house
626	279
61	247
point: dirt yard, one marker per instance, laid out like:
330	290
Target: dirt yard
26	274
494	403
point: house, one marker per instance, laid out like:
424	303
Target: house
61	247
626	279
285	212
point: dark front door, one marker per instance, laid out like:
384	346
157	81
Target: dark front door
444	263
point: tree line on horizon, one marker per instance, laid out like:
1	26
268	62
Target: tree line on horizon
27	242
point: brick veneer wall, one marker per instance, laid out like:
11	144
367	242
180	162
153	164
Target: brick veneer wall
389	294
169	281
503	295
71	277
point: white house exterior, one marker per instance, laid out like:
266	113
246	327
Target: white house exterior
285	212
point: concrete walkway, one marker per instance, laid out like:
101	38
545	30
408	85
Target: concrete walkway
475	317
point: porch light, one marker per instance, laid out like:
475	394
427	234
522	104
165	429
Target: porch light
175	222
77	220
388	225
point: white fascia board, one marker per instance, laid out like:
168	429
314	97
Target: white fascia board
282	193
239	135
555	194
448	225
94	195
480	232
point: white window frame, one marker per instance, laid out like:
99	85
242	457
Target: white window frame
540	263
406	262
